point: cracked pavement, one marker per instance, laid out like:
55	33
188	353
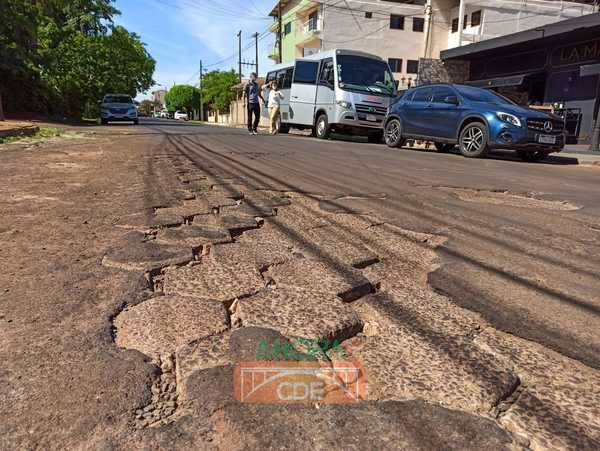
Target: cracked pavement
142	263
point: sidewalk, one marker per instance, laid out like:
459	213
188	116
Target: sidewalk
582	152
17	128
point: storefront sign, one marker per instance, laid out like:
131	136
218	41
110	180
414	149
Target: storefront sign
577	53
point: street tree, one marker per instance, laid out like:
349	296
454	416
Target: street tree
216	88
59	55
183	97
81	69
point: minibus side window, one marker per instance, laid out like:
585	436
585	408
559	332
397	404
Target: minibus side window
289	75
326	78
306	72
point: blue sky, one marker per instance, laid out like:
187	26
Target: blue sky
179	33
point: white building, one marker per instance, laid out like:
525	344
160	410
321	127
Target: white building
461	22
393	30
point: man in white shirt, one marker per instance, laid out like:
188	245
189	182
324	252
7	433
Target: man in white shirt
275	97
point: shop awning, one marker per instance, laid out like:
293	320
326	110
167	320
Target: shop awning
514	80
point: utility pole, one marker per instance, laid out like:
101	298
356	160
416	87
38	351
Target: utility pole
201	100
428	21
280	32
256	49
240	55
461	21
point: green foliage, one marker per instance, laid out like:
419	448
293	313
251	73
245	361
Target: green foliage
183	97
62	56
44	132
216	89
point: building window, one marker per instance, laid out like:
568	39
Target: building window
412	67
395	65
454	25
465	20
368	15
418	24
476	18
313	21
396	22
287	28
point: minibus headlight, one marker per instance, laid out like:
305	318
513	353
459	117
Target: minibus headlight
344	104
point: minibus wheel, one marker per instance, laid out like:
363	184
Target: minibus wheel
322	130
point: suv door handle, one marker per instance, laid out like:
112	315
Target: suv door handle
294	97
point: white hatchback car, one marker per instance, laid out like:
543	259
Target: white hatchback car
180	115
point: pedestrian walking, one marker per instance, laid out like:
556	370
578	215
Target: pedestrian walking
275	98
252	95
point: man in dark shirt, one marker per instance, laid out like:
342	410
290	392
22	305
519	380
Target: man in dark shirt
252	95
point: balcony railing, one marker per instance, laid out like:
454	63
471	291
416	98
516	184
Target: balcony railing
312	25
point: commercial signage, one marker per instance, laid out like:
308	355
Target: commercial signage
577	53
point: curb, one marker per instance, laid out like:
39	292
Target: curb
28	130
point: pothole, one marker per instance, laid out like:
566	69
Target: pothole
509	199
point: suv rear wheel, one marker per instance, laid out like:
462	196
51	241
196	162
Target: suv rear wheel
536	155
473	141
322	130
443	147
393	133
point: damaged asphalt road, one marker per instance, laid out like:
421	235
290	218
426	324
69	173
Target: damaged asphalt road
142	263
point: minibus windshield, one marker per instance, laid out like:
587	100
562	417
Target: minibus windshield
359	73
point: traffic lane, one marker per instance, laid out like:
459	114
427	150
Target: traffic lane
558	177
550	280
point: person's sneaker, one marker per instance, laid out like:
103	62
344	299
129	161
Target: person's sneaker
251	133
255	132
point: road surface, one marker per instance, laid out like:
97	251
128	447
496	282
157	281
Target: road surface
472	285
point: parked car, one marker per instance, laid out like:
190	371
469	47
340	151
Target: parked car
164	113
475	119
118	107
181	116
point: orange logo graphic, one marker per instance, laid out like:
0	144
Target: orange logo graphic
284	382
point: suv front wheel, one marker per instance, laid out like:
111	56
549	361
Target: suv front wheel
393	133
473	141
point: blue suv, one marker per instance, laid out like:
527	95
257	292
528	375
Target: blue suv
476	119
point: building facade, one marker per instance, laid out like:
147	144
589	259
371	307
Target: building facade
394	30
158	97
538	52
456	23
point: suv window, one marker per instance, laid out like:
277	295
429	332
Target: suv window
482	95
422	95
440	93
117	99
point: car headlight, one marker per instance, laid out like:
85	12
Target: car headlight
510	118
344	104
